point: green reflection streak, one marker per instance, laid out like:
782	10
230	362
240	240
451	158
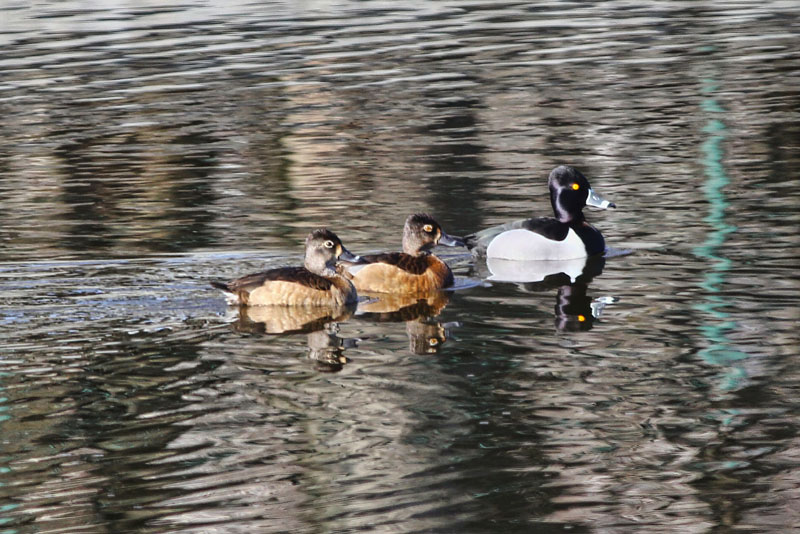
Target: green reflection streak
719	350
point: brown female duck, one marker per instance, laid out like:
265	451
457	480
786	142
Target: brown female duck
415	271
317	283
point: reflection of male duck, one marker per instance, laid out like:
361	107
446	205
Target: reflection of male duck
532	274
425	336
574	310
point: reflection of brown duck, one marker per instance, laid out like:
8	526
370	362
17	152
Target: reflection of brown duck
396	307
289	319
425	336
325	347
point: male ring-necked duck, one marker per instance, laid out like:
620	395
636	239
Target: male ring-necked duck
415	270
318	282
563	237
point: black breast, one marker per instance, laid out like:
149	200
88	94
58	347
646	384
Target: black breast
592	238
548	227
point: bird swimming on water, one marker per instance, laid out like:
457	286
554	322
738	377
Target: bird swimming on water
565	236
415	270
319	282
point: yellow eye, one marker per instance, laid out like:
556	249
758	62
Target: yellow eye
576	186
433	342
328	244
581	318
428	228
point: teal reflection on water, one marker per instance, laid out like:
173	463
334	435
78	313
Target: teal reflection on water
4	408
719	351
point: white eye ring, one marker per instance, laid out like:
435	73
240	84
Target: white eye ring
428	228
328	244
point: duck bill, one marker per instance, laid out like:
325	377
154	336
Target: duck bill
596	201
348	257
451	241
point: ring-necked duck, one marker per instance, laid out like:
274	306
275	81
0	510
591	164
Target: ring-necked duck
318	282
567	236
413	271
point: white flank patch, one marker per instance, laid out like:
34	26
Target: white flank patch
524	245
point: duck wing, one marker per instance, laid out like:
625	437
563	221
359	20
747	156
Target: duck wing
546	226
299	275
401	260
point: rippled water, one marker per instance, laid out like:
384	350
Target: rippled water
150	147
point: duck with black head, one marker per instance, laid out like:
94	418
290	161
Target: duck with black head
415	270
319	282
565	236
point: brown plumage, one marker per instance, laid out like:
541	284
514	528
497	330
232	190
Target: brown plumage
299	275
289	319
382	277
317	283
415	270
401	260
394	307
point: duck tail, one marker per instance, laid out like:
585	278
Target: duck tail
230	295
471	241
476	245
220	285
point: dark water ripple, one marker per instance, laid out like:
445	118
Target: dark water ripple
150	148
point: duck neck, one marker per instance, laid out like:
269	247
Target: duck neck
318	265
413	247
563	213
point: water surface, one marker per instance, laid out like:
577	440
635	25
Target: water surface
149	148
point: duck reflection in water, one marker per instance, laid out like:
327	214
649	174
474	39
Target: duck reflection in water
575	310
425	334
321	324
326	348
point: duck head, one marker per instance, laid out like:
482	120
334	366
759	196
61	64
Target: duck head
323	250
421	233
570	192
